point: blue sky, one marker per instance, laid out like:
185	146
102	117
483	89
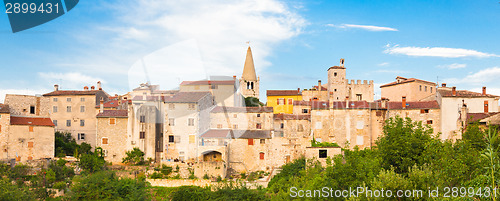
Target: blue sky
294	43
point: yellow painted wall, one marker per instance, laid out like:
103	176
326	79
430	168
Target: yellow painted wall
286	108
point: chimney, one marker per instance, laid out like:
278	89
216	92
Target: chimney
463	112
101	109
342	62
56	87
403	102
99	85
454	91
484	91
92	88
234	77
319	85
443	85
347	102
119	100
85	88
298	90
485	106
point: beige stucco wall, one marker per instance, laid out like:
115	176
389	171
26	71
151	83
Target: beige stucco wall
43	139
310	94
410	89
4	136
61	116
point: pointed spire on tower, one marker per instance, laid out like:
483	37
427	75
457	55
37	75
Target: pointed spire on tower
249	68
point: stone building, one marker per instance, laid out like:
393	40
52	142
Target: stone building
25	138
453	101
74	111
318	93
249	82
26	105
112	134
413	89
428	112
339	86
223	91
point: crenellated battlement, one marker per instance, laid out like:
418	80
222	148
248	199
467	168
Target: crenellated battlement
359	82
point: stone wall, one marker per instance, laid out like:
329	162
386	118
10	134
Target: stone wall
116	137
20	105
34	145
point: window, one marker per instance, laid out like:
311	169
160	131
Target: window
81	136
262	141
30	144
431	89
54	99
68	99
305	111
104	140
68	109
250	141
258	115
280	101
422	111
429	121
323	153
282	125
31	128
258	126
192	139
425	88
54	109
68	123
335	74
32	109
30	157
82	99
55	122
300	128
142	119
190	122
235	115
112	121
420	87
82	122
0	128
249	85
171	106
191	106
359	97
142	135
171	139
219	125
235	126
290	101
261	155
214	87
82	108
334	89
171	121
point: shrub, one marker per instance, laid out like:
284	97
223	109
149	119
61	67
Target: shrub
134	157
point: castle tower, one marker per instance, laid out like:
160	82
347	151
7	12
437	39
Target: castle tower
249	82
337	82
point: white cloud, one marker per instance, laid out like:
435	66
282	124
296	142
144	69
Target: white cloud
383	64
489	90
453	66
73	80
364	27
436	52
218	28
480	77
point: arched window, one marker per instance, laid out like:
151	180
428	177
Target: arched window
249	85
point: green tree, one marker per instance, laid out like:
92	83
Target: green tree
403	144
92	162
65	144
253	102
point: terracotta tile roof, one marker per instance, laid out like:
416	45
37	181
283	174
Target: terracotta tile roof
112	103
446	92
4	108
113	113
237	134
32	121
407	80
292	117
149	98
472	117
71	92
283	93
187	97
352	104
413	105
314	104
220	109
336	67
208	82
303	103
322	88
